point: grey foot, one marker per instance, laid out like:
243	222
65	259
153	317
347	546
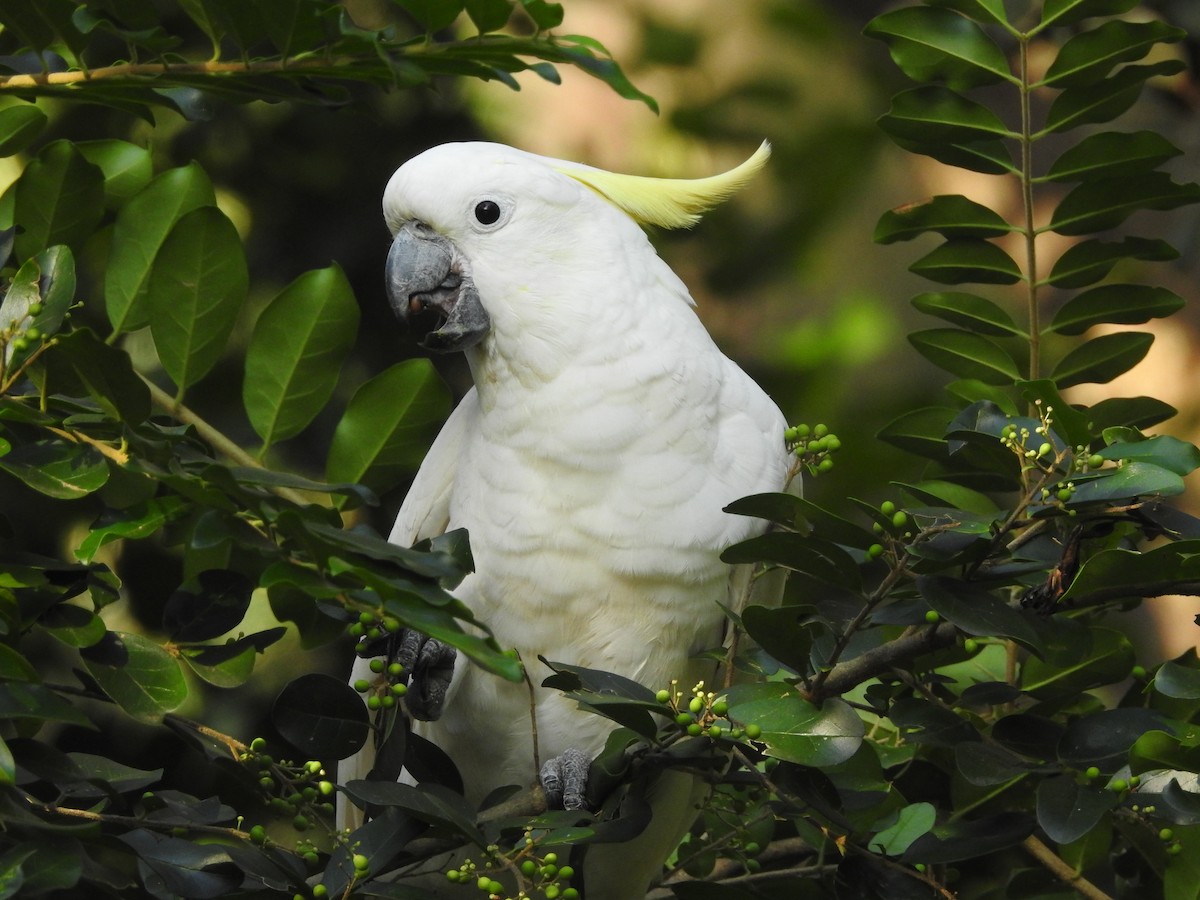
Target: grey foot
430	665
564	779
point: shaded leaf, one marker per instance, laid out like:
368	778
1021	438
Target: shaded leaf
978	612
980	10
1105	100
1120	304
933	44
73	625
58	199
1091	54
1067	811
1108	660
985	764
126	168
106	373
1088	261
1102	359
968	260
911	822
920	431
21	700
966	355
1164	451
321	716
968	311
1135	479
1175	680
1068	12
1107	735
1099	205
969	839
19	125
57	468
950	215
207	606
138	674
794	729
989	156
933	114
786	632
1111	153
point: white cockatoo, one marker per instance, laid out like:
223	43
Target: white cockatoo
590	463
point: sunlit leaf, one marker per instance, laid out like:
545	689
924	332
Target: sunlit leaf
59	199
794	729
1090	55
911	822
138	674
1121	304
126	167
197	285
1165	451
1110	153
932	44
1102	359
966	355
59	469
949	215
1088	261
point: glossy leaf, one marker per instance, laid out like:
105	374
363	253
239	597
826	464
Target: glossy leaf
19	126
949	215
1105	100
1107	734
932	44
131	523
56	468
966	355
73	625
59	200
1120	569
126	168
1068	12
969	311
321	716
1098	205
1121	304
979	10
920	431
1164	451
141	227
1102	359
968	260
296	352
911	822
785	632
989	156
1091	55
968	839
106	373
433	15
138	674
21	700
1089	261
1111	153
197	285
794	729
1135	412
1175	680
1067	811
387	425
488	15
978	612
936	114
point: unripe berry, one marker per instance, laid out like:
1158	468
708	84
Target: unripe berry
683	719
932	617
32	333
887	507
875	550
820	431
1045	449
361	863
395	669
714	731
399	690
663	696
484	883
1118	785
325	787
366	618
550	859
362	685
825	465
900	519
258	834
391	623
751	848
753	731
565	873
528	867
35	309
300	823
258	744
696	704
971	645
1165	834
1064	495
803	431
319	891
1095	461
720	708
373	702
551	892
387	701
377	665
1092	772
695	729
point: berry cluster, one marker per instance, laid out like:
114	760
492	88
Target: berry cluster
387	689
541	876
1124	787
891	522
704	713
814	446
298	790
1048	460
372	625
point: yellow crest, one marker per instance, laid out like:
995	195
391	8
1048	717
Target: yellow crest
667	202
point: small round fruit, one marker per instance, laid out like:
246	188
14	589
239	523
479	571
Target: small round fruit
887	507
258	834
395	669
971	645
754	732
900	519
932	617
695	729
683	719
663	696
377	665
1091	773
361	863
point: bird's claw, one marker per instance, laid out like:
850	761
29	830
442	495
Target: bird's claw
430	664
564	779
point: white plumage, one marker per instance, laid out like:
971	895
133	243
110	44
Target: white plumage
592	459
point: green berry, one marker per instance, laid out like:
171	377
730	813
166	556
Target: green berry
550	859
663	696
753	865
825	465
932	617
971	645
311	858
399	690
32	333
877	528
1091	773
720	708
572	894
319	890
696	704
362	685
803	431
356	630
300	823
258	834
695	729
714	731
683	719
551	892
754	732
1095	461
395	669
1045	448
528	867
751	848
1166	834
366	618
377	665
900	519
484	883
887	507
391	623
875	550
361	863
374	703
565	873
1138	672
1117	785
267	782
373	633
325	787
1135	780
820	431
1064	495
35	309
1175	849
258	744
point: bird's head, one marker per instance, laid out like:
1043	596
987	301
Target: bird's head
488	237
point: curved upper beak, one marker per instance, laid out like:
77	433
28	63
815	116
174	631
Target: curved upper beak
426	272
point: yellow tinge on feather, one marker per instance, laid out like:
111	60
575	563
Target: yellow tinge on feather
668	202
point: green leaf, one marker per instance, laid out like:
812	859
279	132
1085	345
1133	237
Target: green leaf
933	44
57	468
1105	100
19	125
1135	412
126	168
1068	12
433	15
321	716
950	215
979	10
933	114
387	425
1091	55
230	664
1067	811
794	729
21	700
296	353
1111	153
1108	660
1164	451
910	823
73	625
1088	261
1121	304
785	632
545	15
990	157
106	373
197	285
489	15
1099	205
59	200
1117	569
139	675
1102	359
207	606
966	355
968	311
968	260
978	612
1175	680
141	227
920	431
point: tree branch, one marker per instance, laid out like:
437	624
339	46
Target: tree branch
1055	864
847	675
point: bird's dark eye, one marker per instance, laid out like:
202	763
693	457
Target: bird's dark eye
487	212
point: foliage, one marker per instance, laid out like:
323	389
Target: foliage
940	704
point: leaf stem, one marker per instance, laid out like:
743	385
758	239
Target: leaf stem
1028	230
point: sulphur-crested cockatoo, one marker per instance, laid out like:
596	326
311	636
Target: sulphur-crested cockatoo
590	462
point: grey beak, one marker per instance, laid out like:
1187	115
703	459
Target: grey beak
426	272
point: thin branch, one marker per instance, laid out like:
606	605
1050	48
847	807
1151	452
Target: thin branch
878	660
1061	870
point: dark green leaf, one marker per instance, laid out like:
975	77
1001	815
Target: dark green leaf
1090	55
1106	735
1112	153
1115	569
545	15
911	822
979	10
932	44
489	15
138	674
969	839
1105	100
1107	661
59	200
106	373
978	612
387	425
141	227
985	764
1135	479
433	15
794	729
949	494
1135	412
933	114
19	125
207	606
803	553
1121	304
230	664
296	353
1067	811
966	355
990	157
1068	12
1098	205
57	468
922	722
969	311
921	431
786	632
1102	359
1074	426
184	868
968	260
1088	261
1175	680
950	215
1164	451
196	288
73	625
126	168
21	700
321	716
